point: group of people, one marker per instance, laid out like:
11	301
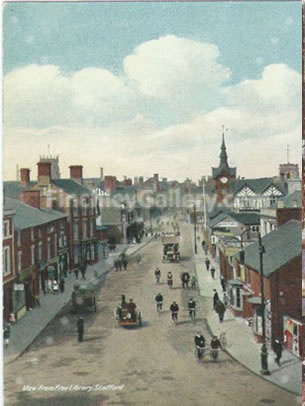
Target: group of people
121	263
127	308
54	287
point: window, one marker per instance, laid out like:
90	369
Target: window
76	260
84	207
40	252
19	260
18	238
32	234
33	254
50	229
238	298
6	261
75	208
75	231
6	229
55	245
49	248
84	229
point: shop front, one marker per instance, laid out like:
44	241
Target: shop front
19	306
293	335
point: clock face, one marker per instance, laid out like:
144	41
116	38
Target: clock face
224	179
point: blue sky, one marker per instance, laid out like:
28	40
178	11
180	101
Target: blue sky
153	82
74	36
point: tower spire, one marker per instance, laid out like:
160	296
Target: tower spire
223	154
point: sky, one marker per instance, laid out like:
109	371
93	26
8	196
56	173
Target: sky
141	88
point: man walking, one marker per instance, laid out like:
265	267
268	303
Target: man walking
186	279
223	283
76	273
215	299
62	285
80	329
278	348
207	263
213	270
220	310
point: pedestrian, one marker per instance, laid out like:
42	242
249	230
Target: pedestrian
220	310
62	285
80	329
203	243
223	283
83	269
193	282
215	299
55	286
207	263
76	273
120	264
125	264
213	270
225	299
116	264
278	348
186	279
6	335
95	274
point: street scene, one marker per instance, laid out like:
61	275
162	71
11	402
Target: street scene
153	362
152	204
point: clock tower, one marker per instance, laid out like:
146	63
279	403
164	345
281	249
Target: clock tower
223	175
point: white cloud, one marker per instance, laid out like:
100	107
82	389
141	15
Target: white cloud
96	118
171	66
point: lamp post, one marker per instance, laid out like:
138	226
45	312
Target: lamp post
195	228
261	250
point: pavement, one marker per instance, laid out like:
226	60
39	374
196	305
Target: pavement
25	330
241	342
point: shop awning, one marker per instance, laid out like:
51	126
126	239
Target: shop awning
255	300
235	282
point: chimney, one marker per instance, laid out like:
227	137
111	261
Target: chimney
110	183
141	180
44	173
102	174
25	176
32	198
76	173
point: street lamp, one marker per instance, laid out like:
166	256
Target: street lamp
264	351
195	228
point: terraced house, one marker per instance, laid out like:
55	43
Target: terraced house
35	251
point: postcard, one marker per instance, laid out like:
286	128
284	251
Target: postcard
152	203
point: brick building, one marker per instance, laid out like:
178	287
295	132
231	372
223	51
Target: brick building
70	197
282	263
40	252
8	259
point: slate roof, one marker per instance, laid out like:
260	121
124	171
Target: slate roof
290	199
27	216
14	188
258	185
243	218
281	246
71	187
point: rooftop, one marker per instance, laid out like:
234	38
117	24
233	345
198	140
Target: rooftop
281	246
27	216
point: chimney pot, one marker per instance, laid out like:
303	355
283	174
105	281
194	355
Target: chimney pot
76	173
